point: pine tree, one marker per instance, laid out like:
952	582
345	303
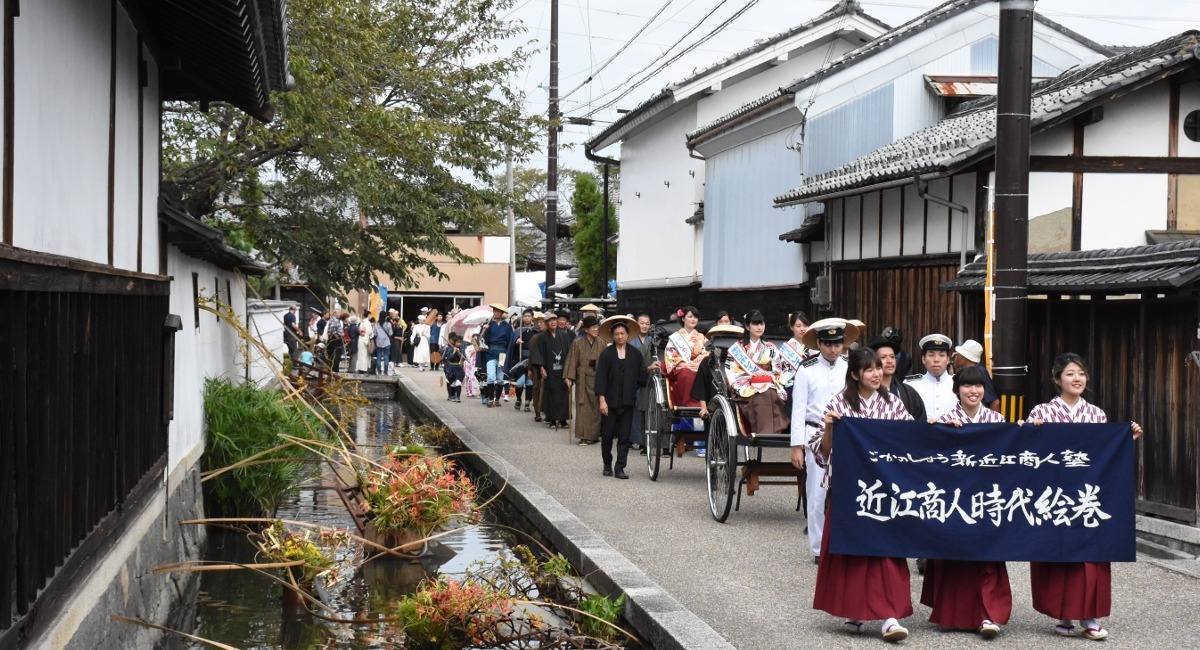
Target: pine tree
587	203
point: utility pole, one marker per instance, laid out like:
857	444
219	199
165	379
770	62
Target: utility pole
552	160
512	235
1012	205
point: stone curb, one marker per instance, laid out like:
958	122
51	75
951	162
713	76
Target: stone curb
660	619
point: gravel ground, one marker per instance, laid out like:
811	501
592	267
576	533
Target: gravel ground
751	578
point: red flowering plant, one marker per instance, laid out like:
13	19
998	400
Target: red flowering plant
413	491
446	613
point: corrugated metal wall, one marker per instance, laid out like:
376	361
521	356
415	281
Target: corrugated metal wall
855	128
741	226
985	59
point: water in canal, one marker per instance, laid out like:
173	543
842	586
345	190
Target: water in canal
243	608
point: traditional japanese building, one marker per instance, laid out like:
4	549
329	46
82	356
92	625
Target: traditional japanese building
879	92
1115	259
104	349
661	262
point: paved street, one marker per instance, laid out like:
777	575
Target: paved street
751	578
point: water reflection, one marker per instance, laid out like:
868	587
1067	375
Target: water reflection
244	609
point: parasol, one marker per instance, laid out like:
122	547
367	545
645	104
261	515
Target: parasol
470	318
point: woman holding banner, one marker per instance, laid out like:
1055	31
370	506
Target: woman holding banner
967	595
1070	591
855	587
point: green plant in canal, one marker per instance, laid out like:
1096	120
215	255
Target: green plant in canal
604	608
454	614
413	491
245	421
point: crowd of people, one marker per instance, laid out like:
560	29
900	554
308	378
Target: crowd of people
373	344
593	373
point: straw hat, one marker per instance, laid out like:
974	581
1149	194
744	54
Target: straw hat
830	330
590	307
862	328
725	330
499	307
607	325
537	315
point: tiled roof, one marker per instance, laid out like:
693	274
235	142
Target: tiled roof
970	133
915	26
842	8
812	228
1158	267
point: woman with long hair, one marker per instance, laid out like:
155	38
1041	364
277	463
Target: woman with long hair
751	371
684	351
855	587
793	352
1070	591
966	595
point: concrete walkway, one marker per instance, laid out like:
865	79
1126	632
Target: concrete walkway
751	579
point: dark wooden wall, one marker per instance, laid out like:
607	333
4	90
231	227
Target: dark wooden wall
1137	352
81	418
901	293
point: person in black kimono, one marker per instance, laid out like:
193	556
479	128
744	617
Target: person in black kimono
549	356
452	366
619	372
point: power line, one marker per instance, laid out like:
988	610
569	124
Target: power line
716	30
666	51
624	47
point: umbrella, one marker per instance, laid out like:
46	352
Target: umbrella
470	318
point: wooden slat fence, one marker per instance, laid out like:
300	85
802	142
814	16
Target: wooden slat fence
81	426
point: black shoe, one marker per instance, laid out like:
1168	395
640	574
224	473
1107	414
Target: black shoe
527	408
921	566
518	405
621	474
642	452
537	417
816	559
608	472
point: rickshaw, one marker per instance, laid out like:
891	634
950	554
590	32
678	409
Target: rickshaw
662	414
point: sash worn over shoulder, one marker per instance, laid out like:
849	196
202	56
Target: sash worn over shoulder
739	354
791	356
682	345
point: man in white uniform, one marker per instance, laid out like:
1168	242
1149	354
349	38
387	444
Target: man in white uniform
820	378
936	386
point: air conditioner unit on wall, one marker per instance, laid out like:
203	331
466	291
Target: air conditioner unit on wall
821	294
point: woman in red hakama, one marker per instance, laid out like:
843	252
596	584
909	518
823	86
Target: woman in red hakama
854	587
682	357
966	595
1070	591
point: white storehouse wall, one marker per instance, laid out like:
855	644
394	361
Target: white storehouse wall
657	196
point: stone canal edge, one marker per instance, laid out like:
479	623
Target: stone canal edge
656	616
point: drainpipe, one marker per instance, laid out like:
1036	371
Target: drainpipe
607	162
922	186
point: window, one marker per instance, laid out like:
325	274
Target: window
1191	126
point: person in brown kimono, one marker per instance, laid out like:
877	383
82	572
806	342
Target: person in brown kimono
581	370
539	321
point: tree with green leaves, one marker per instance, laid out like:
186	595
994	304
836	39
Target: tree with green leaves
529	209
401	112
587	203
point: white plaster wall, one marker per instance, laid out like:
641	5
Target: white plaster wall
1118	209
1050	192
151	119
211	350
657	246
125	171
265	322
1137	124
914	222
964	194
870	225
891	222
61	127
1189	100
851	228
937	220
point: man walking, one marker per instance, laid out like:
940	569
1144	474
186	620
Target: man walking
550	358
822	377
518	351
886	351
291	332
936	386
497	335
581	371
619	372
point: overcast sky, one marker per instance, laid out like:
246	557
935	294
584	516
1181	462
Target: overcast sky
590	31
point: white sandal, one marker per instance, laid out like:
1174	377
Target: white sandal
988	629
893	631
1097	633
853	627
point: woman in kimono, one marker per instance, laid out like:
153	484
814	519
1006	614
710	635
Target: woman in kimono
793	352
751	371
452	366
1069	591
966	595
470	381
366	331
682	357
855	587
